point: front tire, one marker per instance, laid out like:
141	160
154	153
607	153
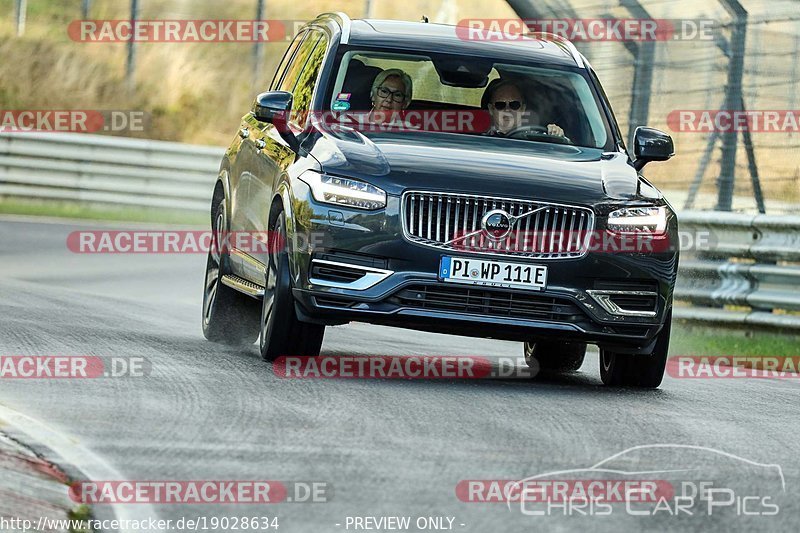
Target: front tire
633	370
282	333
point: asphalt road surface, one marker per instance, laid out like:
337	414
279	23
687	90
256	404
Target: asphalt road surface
384	447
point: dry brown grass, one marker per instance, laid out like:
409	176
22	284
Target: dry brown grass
197	92
191	92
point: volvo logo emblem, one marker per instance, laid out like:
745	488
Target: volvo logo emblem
496	224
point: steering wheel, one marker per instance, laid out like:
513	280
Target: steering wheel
536	133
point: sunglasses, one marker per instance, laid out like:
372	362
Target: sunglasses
514	105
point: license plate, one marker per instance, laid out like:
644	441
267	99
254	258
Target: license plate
493	273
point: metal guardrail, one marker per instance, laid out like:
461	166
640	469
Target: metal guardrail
111	170
749	275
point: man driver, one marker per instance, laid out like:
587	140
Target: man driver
508	109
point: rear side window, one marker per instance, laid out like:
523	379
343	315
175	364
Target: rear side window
307	81
297	64
287	57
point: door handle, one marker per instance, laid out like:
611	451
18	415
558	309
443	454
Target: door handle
244	133
261	144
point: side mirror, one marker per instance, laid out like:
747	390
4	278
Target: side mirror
650	144
275	107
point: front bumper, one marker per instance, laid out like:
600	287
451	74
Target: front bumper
409	294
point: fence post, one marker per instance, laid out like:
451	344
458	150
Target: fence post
733	100
641	87
130	65
793	94
753	167
21	11
701	170
258	47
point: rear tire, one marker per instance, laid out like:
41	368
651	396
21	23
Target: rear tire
633	370
282	333
552	356
229	317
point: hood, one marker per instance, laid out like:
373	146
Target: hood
480	165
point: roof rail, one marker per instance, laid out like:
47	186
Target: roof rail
566	43
343	20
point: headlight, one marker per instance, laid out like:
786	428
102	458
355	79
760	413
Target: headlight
638	219
344	191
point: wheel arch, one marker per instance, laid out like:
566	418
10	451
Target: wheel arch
222	189
282	201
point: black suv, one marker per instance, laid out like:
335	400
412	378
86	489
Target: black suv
544	233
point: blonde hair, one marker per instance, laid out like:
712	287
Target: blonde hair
396	73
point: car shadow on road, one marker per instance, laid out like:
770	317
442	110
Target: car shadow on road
489	374
564	384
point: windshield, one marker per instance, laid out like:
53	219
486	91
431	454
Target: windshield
407	91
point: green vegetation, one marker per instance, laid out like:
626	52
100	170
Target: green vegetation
694	340
100	212
80	513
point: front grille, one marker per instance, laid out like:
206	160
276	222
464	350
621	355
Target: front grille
489	302
453	222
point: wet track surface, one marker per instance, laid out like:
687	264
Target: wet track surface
387	447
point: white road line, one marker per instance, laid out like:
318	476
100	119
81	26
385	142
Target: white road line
70	449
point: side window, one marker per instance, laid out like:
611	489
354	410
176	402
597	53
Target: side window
307	82
287	58
296	66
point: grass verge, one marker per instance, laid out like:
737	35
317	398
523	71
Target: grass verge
16	206
696	340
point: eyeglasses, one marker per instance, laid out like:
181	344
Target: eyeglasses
397	96
514	105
